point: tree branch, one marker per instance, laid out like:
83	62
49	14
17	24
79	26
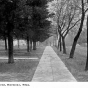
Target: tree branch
86	10
70	20
72	27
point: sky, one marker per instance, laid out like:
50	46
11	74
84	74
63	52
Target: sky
52	9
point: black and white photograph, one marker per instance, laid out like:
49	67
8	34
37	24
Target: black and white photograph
43	41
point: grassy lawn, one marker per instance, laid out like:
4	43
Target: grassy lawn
76	65
23	69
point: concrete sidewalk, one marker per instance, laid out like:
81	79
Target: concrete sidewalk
52	69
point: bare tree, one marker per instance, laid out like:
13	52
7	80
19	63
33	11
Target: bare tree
66	14
83	11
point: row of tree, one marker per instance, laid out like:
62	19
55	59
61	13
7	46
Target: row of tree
23	19
70	14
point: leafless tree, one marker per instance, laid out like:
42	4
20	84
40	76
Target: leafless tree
66	20
83	11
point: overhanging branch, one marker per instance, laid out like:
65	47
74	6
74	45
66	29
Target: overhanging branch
71	27
86	10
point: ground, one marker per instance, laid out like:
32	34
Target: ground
76	65
23	69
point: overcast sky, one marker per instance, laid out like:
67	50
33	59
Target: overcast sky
52	9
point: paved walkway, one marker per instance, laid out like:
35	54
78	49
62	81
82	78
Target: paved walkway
52	69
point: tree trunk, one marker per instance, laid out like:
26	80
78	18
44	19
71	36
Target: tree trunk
27	44
74	43
53	43
79	32
30	45
34	45
73	48
76	39
64	46
5	42
60	44
56	44
18	44
10	43
86	68
38	43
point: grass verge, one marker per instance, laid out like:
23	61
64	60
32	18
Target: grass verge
23	69
76	65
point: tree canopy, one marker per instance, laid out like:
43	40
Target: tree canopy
24	18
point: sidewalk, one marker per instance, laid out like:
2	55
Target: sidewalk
52	69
